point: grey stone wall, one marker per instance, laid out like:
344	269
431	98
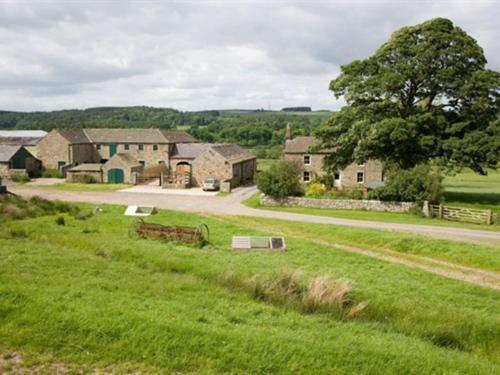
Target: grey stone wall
4	169
147	154
79	176
52	149
210	165
344	204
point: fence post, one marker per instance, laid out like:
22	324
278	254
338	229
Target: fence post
440	213
425	209
489	217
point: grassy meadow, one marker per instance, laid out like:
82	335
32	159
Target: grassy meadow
87	296
466	189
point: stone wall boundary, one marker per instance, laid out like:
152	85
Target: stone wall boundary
342	204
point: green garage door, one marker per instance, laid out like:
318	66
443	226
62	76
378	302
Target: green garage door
115	176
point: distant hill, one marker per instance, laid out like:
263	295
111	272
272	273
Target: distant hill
138	117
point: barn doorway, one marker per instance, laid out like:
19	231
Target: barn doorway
115	176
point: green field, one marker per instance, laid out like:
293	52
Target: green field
466	189
86	296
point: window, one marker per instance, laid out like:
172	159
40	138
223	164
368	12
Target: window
98	147
142	162
161	162
155	147
141	146
336	176
307	159
307	176
126	146
360	177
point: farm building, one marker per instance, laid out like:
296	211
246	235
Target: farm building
15	159
27	138
171	156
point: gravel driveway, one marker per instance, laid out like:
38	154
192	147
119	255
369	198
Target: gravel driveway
231	205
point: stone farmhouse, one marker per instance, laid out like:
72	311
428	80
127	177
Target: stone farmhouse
172	156
298	150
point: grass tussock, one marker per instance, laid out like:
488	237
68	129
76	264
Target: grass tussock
288	289
16	208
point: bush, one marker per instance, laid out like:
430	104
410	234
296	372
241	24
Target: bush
281	180
51	173
315	190
82	215
418	184
355	194
20	178
88	179
60	220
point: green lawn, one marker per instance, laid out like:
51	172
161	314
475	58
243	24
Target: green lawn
466	189
86	294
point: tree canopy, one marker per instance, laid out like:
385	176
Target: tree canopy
424	95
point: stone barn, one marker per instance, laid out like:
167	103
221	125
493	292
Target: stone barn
15	159
121	168
87	172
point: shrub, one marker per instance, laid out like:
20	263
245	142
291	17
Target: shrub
327	180
355	194
20	178
60	220
51	173
418	184
281	180
88	179
18	233
315	190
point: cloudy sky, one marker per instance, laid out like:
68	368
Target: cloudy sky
203	55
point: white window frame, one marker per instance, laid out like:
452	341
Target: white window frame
308	176
309	159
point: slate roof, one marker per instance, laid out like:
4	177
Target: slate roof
23	133
132	135
21	137
189	150
20	141
74	135
7	152
87	167
233	153
301	145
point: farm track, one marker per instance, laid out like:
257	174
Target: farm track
484	278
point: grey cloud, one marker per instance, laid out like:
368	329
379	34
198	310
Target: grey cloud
195	55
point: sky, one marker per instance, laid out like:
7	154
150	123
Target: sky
204	54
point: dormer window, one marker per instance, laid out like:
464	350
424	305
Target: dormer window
307	159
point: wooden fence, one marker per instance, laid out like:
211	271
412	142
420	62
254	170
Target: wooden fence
471	215
150	174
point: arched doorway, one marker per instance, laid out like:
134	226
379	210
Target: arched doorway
182	168
115	176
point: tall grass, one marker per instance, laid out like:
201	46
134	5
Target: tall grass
288	289
16	208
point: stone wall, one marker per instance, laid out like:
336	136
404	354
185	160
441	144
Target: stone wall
52	149
343	204
4	169
148	154
210	165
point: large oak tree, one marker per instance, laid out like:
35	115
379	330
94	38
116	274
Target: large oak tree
424	95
